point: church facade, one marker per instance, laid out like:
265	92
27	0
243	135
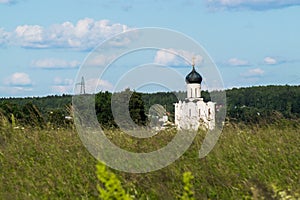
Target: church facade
193	112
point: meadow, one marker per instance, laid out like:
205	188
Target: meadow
248	162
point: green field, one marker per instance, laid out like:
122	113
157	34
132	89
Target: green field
248	162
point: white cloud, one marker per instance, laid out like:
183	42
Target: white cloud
254	72
119	41
17	84
104	85
63	81
251	4
84	34
97	60
173	57
270	61
62	89
4	37
237	62
52	63
18	79
62	85
30	36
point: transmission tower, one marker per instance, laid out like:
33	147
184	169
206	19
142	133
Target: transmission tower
82	86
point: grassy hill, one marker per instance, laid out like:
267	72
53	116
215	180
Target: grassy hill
248	162
256	157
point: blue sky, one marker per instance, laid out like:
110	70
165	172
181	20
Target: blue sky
43	43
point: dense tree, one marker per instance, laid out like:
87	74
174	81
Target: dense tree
119	104
32	115
249	105
103	109
137	109
243	103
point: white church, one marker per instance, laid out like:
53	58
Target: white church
193	112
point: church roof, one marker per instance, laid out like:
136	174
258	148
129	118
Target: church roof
193	77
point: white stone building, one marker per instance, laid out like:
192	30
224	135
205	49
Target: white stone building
193	112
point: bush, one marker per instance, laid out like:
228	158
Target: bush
110	187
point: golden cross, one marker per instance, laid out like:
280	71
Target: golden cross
193	61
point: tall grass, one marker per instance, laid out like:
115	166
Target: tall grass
247	162
46	164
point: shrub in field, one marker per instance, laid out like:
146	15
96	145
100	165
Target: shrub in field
284	194
110	187
188	193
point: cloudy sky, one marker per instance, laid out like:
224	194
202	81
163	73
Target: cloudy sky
44	43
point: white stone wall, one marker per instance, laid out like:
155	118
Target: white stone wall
193	112
193	90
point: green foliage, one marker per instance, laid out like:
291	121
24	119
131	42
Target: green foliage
110	187
263	103
188	193
103	109
256	157
137	109
284	194
32	115
166	99
56	118
245	164
121	99
45	164
5	129
245	157
13	121
33	111
253	105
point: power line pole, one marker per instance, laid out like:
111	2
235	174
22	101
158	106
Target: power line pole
82	85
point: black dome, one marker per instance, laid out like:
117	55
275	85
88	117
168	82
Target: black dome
193	77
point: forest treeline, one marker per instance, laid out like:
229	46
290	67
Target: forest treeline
261	104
